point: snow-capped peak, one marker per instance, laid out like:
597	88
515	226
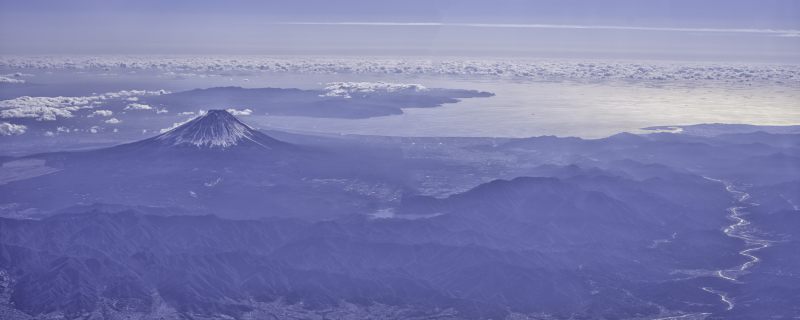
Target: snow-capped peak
215	129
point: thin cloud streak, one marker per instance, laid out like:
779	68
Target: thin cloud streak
547	26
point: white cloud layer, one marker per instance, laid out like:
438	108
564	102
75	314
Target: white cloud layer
113	121
43	108
14	77
515	68
348	89
6	79
102	113
52	108
242	112
9	129
174	125
138	106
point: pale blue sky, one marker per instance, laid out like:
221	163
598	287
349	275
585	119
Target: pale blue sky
683	29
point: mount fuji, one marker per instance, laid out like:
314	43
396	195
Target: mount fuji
215	132
213	164
217	129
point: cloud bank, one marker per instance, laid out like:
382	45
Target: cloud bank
52	108
512	68
102	113
10	129
348	89
5	79
242	112
138	106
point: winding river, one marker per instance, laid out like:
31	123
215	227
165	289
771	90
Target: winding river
739	229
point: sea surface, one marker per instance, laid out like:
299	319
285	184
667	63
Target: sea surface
519	108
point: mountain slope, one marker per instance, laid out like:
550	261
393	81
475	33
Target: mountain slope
214	164
215	129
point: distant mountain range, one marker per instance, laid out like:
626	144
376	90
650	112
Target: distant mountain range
213	219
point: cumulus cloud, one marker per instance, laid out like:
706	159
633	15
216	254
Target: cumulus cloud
102	113
243	112
186	113
348	89
49	134
10	129
175	125
138	106
52	108
133	93
42	108
14	77
113	121
94	129
213	183
6	79
162	110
